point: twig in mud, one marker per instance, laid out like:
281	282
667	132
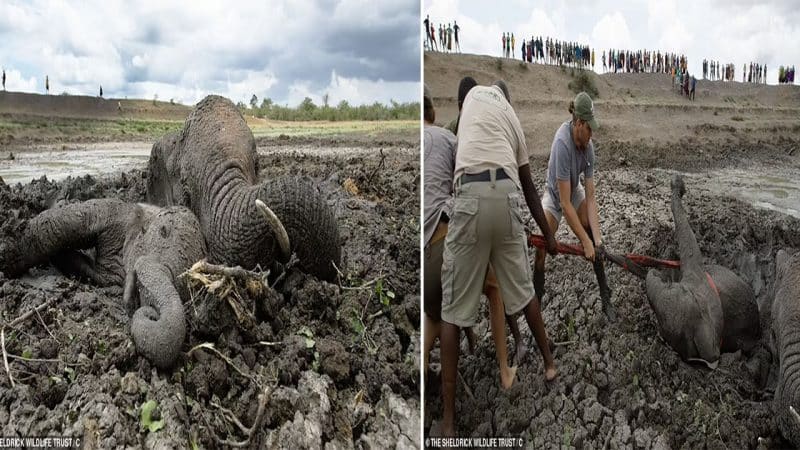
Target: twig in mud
271	344
263	399
466	386
5	357
210	346
237	272
289	264
46	327
339	273
368	182
608	438
375	315
25	316
564	343
362	287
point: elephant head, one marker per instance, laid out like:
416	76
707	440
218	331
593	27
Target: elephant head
144	247
160	245
786	341
210	167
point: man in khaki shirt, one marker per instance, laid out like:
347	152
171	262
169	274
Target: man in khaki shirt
492	179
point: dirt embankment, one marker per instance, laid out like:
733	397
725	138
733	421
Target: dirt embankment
341	360
620	385
85	107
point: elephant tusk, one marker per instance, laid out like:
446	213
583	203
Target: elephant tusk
710	365
794	414
276	225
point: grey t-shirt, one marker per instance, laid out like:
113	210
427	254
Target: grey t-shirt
439	162
567	162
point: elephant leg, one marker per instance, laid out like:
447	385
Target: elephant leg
74	263
688	250
56	231
158	325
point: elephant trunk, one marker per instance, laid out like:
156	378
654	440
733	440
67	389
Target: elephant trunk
787	394
158	325
243	230
258	224
309	222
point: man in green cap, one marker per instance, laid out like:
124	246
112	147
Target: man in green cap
572	154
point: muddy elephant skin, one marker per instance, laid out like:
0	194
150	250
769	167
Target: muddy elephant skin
786	341
701	310
210	167
140	247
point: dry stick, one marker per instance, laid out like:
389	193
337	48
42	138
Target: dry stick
22	358
210	346
466	386
377	168
46	327
289	264
608	438
232	272
564	343
25	316
5	357
263	399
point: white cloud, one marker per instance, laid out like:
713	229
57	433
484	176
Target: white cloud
15	82
611	31
186	51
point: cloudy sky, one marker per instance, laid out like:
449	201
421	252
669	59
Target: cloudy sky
730	31
356	50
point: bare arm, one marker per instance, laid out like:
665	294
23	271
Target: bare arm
574	222
535	206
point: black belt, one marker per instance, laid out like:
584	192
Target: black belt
484	176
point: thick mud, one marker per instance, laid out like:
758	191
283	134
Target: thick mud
340	362
619	385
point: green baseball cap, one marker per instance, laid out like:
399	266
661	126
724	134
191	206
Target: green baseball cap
584	110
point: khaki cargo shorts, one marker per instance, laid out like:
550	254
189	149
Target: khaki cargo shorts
578	196
486	226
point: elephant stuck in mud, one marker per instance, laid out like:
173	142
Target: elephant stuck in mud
140	247
702	310
211	168
785	331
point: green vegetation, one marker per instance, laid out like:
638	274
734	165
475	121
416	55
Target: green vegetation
59	127
147	420
584	82
307	110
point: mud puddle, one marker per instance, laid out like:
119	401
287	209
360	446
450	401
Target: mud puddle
765	188
315	150
61	161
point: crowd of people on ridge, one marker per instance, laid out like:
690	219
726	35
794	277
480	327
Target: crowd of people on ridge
447	36
785	75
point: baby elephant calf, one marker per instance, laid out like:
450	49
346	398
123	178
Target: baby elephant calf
140	247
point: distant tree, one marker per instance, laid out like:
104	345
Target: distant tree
266	104
65	93
242	107
155	99
253	101
307	105
325	99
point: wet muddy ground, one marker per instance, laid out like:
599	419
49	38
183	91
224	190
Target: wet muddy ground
340	361
619	384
